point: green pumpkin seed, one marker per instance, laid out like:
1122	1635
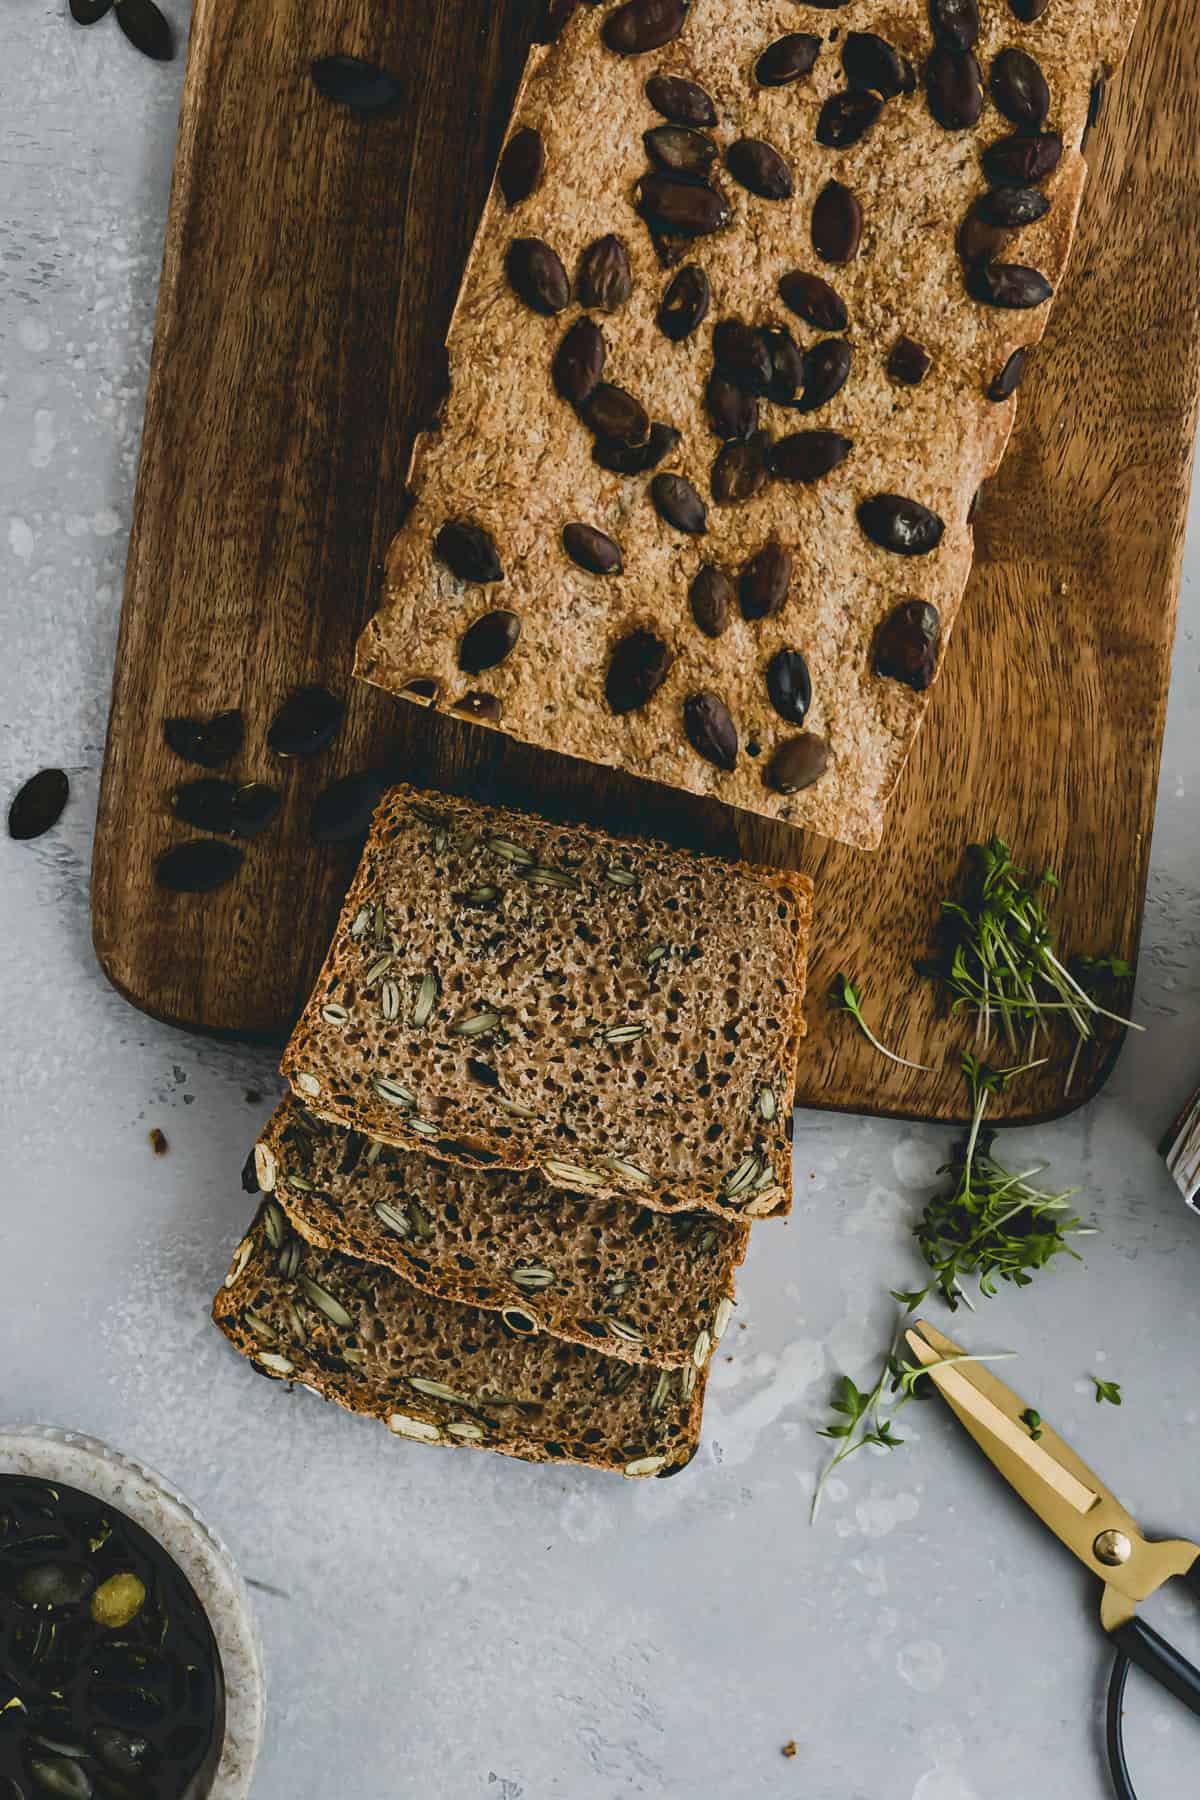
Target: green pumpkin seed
623	1034
571	1173
483	895
476	1025
620	877
621	1377
295	1321
404	1425
278	1365
532	1277
542	876
706	1240
393	1218
260	1326
628	1171
622	1329
687	1380
515	1108
740	1178
423	1127
354	1356
427	994
360	922
379	967
510	851
721	1321
662	1386
274	1224
241	1257
463	1428
389	1000
334	1014
57	1775
437	1390
422	1222
324	1301
302	1184
655	955
644	1465
701	1348
289	1259
767	1104
374	1152
425	813
394	1092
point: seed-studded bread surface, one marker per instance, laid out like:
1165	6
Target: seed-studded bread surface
513	458
643	1285
623	1016
442	1373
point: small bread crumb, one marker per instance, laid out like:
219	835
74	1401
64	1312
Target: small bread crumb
158	1142
789	1749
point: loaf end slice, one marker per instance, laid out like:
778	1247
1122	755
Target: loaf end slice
648	1287
441	1373
512	993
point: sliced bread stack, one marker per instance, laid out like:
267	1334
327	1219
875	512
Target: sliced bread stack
541	1088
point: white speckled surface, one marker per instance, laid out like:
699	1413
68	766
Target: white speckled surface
466	1627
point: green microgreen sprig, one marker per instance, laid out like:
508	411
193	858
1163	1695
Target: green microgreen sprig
1002	966
846	996
1107	1390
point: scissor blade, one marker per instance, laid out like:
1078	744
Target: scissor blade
1050	1478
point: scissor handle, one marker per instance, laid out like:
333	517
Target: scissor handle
1139	1643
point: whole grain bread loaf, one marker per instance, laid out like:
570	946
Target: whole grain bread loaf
736	347
507	992
646	1286
442	1373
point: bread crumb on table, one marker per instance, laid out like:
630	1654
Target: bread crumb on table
158	1142
789	1749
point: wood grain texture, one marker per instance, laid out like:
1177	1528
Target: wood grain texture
310	270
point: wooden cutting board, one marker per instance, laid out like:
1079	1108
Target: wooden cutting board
311	265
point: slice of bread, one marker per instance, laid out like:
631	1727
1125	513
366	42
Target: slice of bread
623	1016
442	1373
646	1286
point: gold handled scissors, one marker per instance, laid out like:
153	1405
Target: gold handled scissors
1080	1511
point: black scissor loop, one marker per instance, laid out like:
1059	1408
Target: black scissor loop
1139	1643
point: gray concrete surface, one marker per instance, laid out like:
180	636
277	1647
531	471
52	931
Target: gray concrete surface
461	1626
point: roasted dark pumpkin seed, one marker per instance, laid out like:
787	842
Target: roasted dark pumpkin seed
797	763
680	100
198	866
787	365
759	167
208	742
349	81
604	279
578	366
977	240
837	224
86	12
522	165
1010	286
676	501
612	412
222	806
679	207
468	551
787	59
1028	11
740	470
1022	160
955	22
536	275
710	730
954	88
901	525
906	644
592	550
307	722
680	149
809	455
1019	89
685	303
636	670
764	581
38	804
642	25
909	362
711	599
826	369
637	459
1007	380
1011	207
813	300
732	413
147	29
847	117
342	812
743	355
487	642
871	62
789	685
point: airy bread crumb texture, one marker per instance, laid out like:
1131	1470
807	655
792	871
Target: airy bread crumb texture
511	456
441	1373
646	1286
503	991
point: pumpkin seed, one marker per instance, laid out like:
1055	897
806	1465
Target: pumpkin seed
308	1084
621	1377
618	1287
628	1333
620	877
721	1322
379	923
302	1184
767	1104
644	1465
629	1171
701	1348
422	1222
354	1356
241	1257
539	875
427	994
740	1177
425	813
706	1240
658	1398
279	1365
515	1107
463	1428
389	1000
437	1390
571	1173
394	1092
759	1205
393	1218
275	1224
404	1425
482	895
264	1167
295	1321
289	1259
334	1014
423	1127
476	1025
532	1277
360	921
511	852
374	1152
259	1326
324	1301
655	955
623	1034
523	1323
379	967
687	1380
